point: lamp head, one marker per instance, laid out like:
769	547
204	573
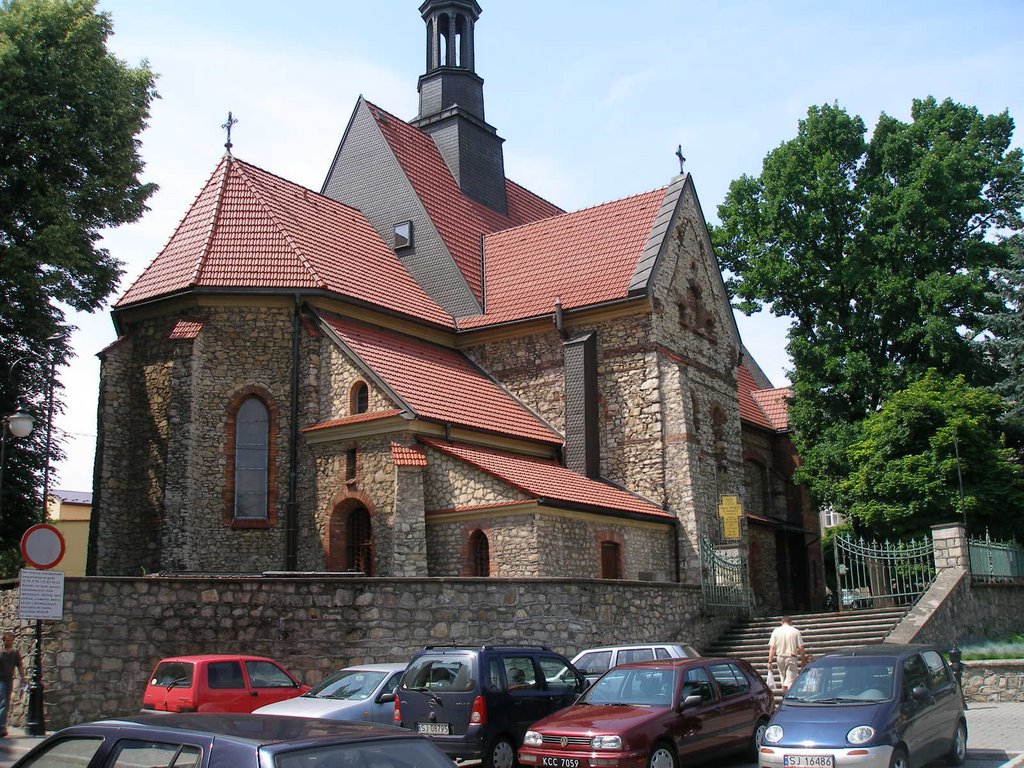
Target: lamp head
20	422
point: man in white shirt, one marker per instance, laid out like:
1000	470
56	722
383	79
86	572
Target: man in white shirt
786	646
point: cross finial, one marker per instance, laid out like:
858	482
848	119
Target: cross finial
227	126
679	154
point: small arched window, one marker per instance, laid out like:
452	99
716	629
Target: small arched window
252	454
360	541
360	402
479	554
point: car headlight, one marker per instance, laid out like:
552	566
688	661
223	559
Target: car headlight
606	742
532	739
861	734
773	734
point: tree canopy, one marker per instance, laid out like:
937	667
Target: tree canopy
70	116
929	443
1007	342
884	252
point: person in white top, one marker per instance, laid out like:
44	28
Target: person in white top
786	646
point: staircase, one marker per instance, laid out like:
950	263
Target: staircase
822	633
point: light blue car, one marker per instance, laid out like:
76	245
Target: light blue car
364	692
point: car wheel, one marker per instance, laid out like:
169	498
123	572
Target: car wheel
754	748
662	756
899	758
501	754
958	749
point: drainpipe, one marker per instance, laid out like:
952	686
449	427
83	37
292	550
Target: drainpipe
291	539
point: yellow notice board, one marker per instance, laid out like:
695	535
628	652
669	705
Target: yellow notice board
730	510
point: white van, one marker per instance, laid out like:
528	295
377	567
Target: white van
594	662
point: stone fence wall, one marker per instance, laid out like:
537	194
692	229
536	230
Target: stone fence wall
1001	680
96	660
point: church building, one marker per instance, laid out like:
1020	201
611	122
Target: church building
426	370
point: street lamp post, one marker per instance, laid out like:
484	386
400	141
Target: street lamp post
35	720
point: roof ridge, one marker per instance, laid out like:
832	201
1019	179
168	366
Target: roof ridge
212	230
283	230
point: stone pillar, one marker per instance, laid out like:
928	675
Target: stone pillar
409	534
950	541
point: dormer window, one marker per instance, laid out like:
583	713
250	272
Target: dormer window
403	234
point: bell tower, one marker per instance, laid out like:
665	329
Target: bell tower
452	102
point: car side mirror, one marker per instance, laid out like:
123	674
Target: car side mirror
920	693
692	700
384	698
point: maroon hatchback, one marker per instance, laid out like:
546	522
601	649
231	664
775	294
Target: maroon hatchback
655	714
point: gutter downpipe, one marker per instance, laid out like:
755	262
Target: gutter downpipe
291	541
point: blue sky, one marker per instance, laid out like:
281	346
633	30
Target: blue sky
592	99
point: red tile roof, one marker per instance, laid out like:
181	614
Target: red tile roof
251	229
775	404
459	220
548	481
185	329
440	384
766	408
582	258
357	418
404	456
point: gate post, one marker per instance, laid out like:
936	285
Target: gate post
951	549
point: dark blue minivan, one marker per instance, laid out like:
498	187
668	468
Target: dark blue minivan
875	706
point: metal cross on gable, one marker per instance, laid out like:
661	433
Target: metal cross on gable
227	126
679	154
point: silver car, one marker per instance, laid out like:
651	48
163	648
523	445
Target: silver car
594	662
362	692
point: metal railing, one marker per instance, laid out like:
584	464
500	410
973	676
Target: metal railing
995	560
873	574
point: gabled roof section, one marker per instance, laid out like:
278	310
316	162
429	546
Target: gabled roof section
549	482
459	220
439	384
583	258
250	229
766	408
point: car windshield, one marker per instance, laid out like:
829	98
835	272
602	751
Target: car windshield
635	687
394	753
845	680
439	673
351	684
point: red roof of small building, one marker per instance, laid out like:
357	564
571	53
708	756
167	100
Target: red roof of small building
582	258
251	229
438	383
766	408
356	418
405	456
549	481
459	220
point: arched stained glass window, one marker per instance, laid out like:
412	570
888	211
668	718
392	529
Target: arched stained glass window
252	443
360	541
479	554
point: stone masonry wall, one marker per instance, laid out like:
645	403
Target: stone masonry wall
512	541
96	660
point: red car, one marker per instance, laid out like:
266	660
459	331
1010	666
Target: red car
218	683
656	714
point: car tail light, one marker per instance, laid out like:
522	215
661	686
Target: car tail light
397	717
478	715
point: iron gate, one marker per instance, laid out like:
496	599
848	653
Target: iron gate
871	574
723	578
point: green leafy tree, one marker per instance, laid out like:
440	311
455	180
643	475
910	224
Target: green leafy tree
70	114
928	442
1007	343
881	252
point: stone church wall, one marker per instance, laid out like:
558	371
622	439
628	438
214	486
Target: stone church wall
96	660
511	538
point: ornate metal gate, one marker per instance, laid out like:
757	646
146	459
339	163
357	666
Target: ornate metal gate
871	574
723	577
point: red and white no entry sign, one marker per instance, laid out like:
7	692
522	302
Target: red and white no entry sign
42	546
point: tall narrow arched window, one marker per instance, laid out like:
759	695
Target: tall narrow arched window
359	545
611	560
252	459
360	399
479	554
